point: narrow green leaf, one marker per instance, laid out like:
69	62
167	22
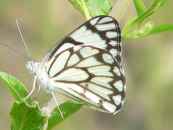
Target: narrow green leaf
27	118
133	27
149	29
99	7
68	108
152	9
17	88
161	28
91	8
80	5
140	6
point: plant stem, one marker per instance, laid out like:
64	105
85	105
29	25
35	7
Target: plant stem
85	9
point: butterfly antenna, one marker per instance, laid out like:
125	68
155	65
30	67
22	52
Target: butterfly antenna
23	40
33	88
54	97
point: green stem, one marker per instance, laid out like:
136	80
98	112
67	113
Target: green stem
85	9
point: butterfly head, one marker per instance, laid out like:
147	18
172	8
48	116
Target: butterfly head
38	70
33	67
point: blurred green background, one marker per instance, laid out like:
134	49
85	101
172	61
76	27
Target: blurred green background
148	64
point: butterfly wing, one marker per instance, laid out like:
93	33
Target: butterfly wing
102	32
86	65
91	75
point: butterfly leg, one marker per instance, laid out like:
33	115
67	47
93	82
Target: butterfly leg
33	88
54	97
39	87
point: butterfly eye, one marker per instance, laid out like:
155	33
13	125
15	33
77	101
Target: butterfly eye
32	67
29	66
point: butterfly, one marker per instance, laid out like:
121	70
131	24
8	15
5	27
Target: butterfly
86	66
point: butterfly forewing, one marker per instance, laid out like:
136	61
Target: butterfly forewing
101	32
87	64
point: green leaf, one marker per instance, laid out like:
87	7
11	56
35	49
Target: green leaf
149	29
135	27
91	8
152	9
68	108
27	118
161	28
17	88
140	6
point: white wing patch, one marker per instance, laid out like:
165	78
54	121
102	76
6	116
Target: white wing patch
113	43
59	63
104	92
94	21
108	58
103	81
72	74
92	97
117	99
89	38
105	27
105	20
91	61
111	34
114	52
64	47
110	107
73	60
103	70
116	71
119	85
88	51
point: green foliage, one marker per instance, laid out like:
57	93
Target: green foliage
140	26
136	27
140	6
68	108
26	114
17	88
91	8
27	118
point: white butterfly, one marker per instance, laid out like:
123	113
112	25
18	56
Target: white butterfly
86	66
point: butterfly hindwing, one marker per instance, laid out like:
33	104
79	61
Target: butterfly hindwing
102	32
89	74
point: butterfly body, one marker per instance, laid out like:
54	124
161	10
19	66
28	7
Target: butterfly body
86	65
38	70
